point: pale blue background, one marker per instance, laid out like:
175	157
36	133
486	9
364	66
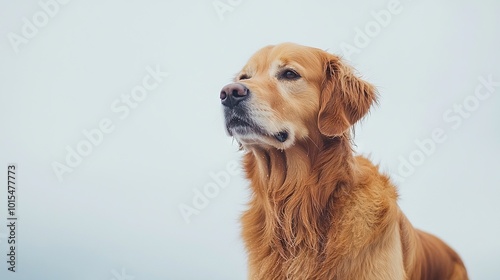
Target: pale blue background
117	214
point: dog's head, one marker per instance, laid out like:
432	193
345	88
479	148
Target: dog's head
287	92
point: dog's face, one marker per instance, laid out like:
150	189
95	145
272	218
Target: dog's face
287	92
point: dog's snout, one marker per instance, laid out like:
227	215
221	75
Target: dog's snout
232	94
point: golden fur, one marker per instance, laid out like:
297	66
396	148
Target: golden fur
317	211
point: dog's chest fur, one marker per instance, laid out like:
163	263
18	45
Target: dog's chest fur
303	225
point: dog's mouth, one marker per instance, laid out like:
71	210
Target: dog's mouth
239	126
238	122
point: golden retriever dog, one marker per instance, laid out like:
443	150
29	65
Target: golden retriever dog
317	211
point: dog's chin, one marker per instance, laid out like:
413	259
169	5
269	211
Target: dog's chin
251	135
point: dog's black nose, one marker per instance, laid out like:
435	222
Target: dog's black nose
233	94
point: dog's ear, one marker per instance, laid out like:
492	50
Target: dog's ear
344	99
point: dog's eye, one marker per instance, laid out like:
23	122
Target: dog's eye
243	77
289	74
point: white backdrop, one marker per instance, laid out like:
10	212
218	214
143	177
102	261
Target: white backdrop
111	112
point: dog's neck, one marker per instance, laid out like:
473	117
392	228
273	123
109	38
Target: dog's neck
273	171
287	196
